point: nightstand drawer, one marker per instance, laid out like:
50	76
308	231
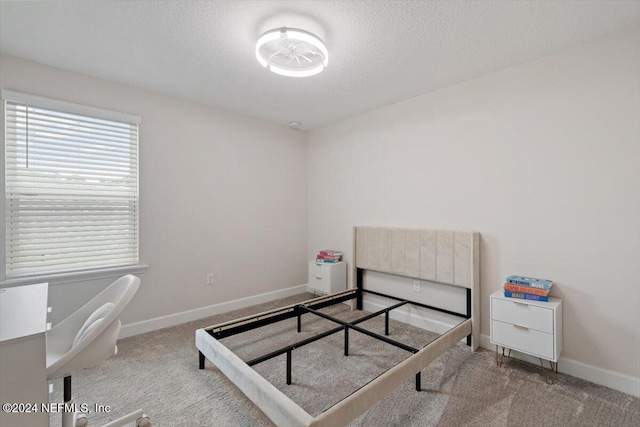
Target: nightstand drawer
523	314
523	339
319	270
320	280
327	278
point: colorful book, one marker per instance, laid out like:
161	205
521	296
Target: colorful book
333	257
530	281
331	252
522	295
526	289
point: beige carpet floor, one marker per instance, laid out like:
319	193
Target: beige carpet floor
159	372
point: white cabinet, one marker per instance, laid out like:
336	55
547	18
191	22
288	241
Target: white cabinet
327	278
530	327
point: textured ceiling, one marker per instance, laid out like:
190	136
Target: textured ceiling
380	52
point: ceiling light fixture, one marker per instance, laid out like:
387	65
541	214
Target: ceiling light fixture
292	52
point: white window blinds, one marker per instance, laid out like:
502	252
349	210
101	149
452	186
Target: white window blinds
71	187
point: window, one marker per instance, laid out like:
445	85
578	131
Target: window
71	187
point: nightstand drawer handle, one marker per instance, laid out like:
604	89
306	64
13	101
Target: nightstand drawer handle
524	328
521	303
318	277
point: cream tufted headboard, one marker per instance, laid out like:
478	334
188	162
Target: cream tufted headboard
442	256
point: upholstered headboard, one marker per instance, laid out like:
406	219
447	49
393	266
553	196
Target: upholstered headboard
442	256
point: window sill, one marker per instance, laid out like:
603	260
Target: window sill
78	276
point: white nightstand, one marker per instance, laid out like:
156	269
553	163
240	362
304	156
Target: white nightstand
530	327
327	278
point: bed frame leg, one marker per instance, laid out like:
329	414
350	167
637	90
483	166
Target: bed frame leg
418	381
469	313
289	367
386	323
201	360
346	340
299	319
359	288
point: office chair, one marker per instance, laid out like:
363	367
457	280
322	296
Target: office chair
85	339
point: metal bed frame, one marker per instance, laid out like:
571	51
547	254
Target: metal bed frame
278	406
312	306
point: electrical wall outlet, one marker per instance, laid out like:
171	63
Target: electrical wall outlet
417	286
210	277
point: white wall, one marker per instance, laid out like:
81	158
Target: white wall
542	159
218	192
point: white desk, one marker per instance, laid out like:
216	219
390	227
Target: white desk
23	353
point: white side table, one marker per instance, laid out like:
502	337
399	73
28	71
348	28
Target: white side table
530	327
327	278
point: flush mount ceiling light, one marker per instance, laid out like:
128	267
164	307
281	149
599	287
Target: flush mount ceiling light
292	52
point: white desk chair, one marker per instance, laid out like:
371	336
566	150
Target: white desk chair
88	337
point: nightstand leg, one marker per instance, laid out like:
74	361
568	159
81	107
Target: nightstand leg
500	357
553	368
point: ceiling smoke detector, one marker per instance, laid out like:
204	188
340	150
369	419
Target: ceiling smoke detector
292	52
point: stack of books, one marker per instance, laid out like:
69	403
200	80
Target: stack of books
527	288
329	256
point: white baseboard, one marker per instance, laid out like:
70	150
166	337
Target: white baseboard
156	323
615	380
